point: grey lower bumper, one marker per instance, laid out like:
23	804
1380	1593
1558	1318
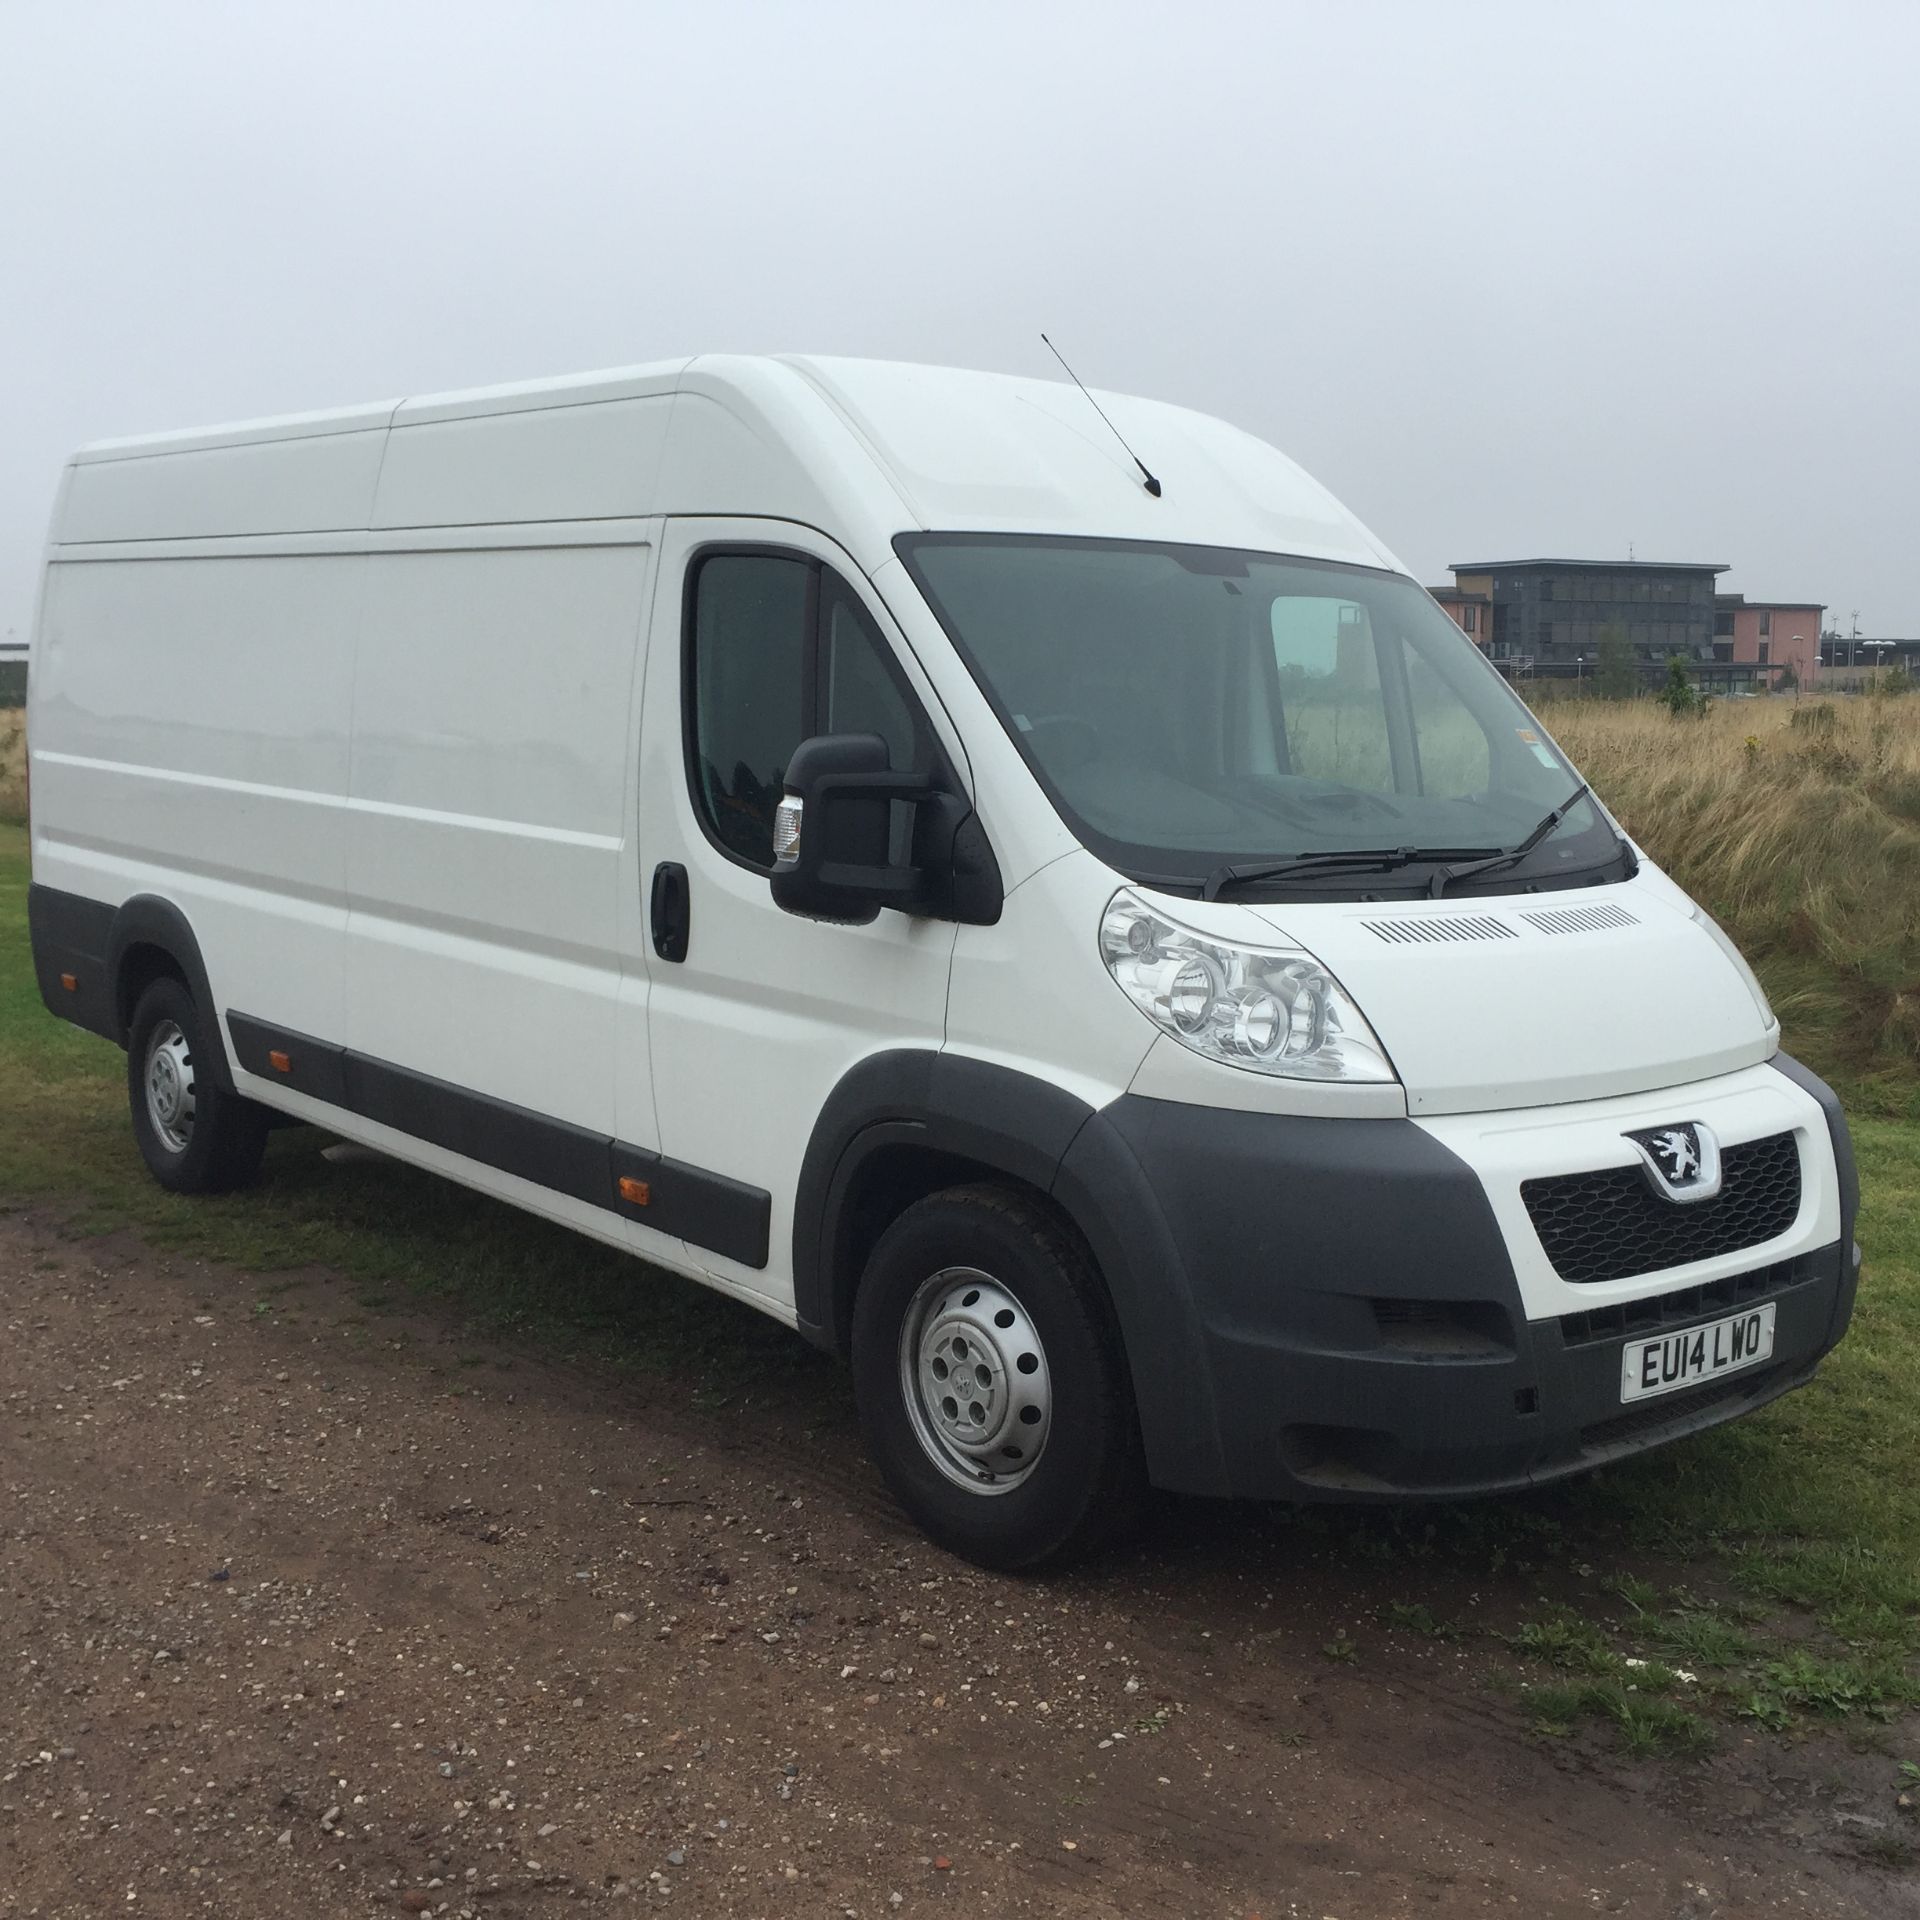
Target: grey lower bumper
1400	1424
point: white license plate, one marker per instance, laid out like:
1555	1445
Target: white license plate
1684	1359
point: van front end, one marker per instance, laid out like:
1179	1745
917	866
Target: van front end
1465	1157
1428	1308
1456	1198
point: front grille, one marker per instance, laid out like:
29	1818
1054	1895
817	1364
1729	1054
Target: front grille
1611	1225
1633	1318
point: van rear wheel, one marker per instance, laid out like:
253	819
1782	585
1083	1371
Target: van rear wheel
990	1382
194	1137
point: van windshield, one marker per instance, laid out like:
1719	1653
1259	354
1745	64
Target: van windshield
1193	708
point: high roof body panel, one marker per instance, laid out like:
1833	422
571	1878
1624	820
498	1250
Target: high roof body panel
863	449
984	452
370	418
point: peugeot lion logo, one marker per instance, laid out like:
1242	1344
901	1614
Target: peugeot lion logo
1682	1162
1679	1157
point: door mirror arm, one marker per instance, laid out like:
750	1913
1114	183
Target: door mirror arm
833	840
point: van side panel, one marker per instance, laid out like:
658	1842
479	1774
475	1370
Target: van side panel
558	463
319	483
190	742
489	838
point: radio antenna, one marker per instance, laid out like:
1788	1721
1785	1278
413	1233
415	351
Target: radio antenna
1153	485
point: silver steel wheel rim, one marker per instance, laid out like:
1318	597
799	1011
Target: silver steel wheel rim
974	1377
169	1077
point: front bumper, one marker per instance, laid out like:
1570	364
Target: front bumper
1353	1321
1396	1422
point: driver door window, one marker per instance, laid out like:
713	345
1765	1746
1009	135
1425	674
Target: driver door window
780	649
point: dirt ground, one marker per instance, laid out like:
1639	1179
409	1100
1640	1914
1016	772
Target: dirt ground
310	1612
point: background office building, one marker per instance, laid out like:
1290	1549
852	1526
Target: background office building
1549	613
1546	618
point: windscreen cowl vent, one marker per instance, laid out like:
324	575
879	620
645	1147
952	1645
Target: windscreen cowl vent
1426	928
1580	919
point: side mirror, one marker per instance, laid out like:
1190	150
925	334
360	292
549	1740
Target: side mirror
833	840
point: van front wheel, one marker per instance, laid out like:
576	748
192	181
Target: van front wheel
990	1382
194	1137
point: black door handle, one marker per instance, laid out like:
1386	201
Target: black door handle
668	910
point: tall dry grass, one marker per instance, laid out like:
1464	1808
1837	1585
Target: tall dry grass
1797	824
13	764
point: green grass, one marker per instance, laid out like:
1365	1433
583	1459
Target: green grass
1568	1640
1776	1559
1648	1725
1700	1639
1415	1616
1700	1667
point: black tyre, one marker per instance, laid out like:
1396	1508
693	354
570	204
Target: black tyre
194	1137
991	1384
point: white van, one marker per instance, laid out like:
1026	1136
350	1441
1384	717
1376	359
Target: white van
1112	960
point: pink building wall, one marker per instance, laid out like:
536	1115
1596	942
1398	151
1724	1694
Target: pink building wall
1794	640
1471	613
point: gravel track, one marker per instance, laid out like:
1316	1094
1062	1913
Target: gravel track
313	1612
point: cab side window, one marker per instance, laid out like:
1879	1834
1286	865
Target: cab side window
752	620
861	690
780	649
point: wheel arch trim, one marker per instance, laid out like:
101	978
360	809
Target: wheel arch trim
148	920
80	951
983	1117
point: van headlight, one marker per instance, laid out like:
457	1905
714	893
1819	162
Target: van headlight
1274	1009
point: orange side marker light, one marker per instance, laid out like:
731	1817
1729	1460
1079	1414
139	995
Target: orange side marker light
280	1062
636	1193
71	981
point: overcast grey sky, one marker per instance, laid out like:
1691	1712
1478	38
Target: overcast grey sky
1510	279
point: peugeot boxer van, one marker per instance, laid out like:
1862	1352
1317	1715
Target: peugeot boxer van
1101	951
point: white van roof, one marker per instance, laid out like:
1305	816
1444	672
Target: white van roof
864	448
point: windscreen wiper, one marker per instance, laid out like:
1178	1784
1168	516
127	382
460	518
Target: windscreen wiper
1331	860
1510	855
